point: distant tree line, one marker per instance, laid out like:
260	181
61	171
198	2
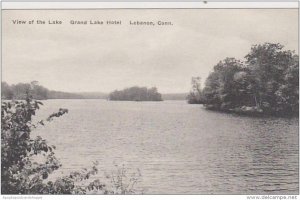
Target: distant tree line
20	90
267	82
174	96
136	94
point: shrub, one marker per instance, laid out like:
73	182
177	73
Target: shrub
20	171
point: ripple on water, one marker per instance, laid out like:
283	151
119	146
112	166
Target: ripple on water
179	148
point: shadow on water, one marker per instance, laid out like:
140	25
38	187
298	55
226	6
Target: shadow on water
253	115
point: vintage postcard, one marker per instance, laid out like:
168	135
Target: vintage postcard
180	100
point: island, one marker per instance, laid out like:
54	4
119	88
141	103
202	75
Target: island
136	93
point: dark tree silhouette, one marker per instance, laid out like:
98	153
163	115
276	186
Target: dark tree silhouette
136	94
268	82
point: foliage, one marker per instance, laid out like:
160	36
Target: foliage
6	91
275	77
195	95
223	87
267	82
27	163
19	172
136	94
19	91
120	181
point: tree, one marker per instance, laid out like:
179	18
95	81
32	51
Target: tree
38	91
267	82
287	95
19	91
270	66
6	91
221	90
153	94
195	95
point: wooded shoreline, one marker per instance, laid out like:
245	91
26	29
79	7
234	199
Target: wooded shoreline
251	112
266	83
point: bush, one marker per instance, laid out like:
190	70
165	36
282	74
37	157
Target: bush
20	171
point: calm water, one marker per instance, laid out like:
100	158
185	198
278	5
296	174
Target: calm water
178	148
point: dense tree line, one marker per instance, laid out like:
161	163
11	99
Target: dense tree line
20	90
267	82
136	94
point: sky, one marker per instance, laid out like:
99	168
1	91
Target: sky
89	58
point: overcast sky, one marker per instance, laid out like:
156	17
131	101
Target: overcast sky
77	58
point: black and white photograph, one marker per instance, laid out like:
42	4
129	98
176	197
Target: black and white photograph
150	101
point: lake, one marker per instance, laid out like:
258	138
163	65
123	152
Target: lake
178	148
